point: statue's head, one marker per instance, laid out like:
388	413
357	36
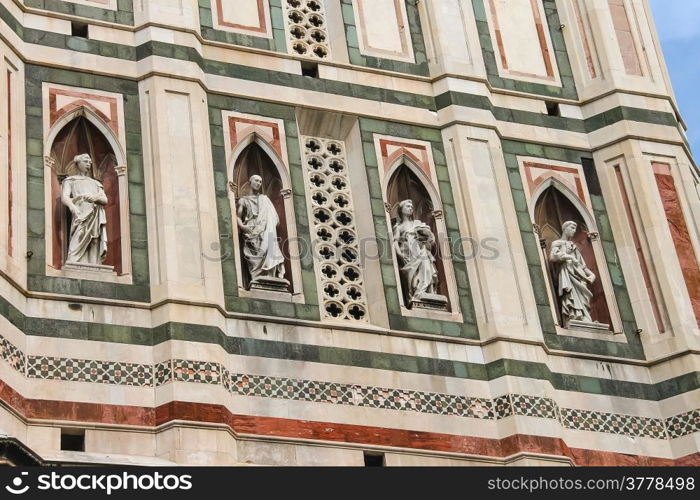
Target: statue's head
255	183
569	228
83	163
406	209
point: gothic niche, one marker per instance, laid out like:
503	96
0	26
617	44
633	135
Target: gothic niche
572	269
85	200
415	242
261	221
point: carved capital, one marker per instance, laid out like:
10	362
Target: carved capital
121	170
543	243
438	214
593	236
536	228
233	187
286	193
387	207
49	162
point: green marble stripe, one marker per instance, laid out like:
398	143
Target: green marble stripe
633	348
596	122
123	15
345	357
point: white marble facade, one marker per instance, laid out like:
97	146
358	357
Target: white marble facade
334	144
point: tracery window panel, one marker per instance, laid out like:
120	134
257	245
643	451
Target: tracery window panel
335	244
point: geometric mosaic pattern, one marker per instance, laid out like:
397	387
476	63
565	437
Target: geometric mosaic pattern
86	370
507	405
10	353
683	424
613	423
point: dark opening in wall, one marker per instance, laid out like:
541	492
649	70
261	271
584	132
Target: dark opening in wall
552	108
309	69
73	439
374	459
79	29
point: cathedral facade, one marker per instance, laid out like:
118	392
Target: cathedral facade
345	232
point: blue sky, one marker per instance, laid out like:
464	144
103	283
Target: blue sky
678	24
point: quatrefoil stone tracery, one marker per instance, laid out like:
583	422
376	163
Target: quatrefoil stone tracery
306	28
336	246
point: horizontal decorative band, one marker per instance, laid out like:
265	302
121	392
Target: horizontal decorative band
189	371
330	355
323	431
190	54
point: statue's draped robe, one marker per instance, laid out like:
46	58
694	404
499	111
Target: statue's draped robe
572	283
417	264
89	223
261	250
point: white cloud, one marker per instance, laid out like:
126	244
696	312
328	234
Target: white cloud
677	19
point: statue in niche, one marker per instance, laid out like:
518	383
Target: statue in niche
573	278
257	222
86	199
413	242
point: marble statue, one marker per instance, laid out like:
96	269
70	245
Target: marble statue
86	200
572	276
413	241
258	221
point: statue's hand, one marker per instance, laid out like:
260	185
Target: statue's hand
591	278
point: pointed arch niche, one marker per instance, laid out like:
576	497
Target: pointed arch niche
557	194
408	173
80	122
255	146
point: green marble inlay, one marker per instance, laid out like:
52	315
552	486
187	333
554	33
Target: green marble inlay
568	88
467	329
633	348
37	280
123	15
277	43
420	64
308	311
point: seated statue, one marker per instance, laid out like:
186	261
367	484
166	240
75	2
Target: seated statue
86	200
572	276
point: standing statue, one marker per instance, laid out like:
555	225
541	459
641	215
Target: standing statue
413	241
573	277
85	198
258	221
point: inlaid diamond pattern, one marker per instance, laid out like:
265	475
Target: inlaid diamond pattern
533	406
313	391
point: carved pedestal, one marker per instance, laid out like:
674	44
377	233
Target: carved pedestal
90	268
431	301
594	326
270	284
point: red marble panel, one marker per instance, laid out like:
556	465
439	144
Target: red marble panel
679	232
640	254
625	39
322	431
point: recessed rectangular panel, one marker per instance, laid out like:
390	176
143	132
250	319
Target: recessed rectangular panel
521	40
242	16
625	38
383	29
